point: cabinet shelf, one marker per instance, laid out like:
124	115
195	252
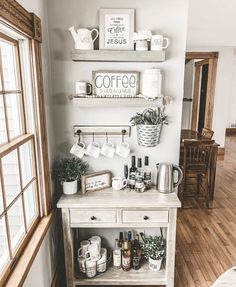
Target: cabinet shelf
113	276
87	102
117	56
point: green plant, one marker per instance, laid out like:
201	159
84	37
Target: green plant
70	169
154	247
150	117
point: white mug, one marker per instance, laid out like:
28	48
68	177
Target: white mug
93	252
157	43
108	150
91	269
96	240
93	149
83	88
81	263
102	262
78	149
118	183
123	149
83	248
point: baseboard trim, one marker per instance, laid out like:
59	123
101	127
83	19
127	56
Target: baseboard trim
230	131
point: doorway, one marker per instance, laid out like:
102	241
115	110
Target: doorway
199	86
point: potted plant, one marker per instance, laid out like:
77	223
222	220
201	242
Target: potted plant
149	125
154	249
68	171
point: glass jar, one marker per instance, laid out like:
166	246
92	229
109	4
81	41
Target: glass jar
151	84
139	185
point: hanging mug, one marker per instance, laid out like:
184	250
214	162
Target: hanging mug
78	149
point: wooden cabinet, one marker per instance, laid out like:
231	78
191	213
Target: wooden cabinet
119	210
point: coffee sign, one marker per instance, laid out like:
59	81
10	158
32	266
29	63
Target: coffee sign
116	28
116	84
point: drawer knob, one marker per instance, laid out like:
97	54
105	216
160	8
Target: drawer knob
93	218
145	217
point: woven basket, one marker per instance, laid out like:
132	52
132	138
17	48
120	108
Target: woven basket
148	135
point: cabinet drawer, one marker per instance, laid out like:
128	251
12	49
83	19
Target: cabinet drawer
92	216
149	216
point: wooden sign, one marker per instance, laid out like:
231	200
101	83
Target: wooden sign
116	83
95	181
116	28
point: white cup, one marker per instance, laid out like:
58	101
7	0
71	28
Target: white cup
78	149
91	269
108	150
123	149
96	240
83	88
81	263
157	43
93	150
83	248
118	183
93	252
102	262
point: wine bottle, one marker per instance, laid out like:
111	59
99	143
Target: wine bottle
117	255
132	174
121	239
147	174
126	256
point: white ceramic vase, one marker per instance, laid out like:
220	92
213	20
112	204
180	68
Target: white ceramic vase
70	187
155	265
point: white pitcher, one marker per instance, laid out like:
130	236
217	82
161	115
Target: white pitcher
83	38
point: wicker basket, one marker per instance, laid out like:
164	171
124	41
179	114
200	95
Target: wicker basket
148	135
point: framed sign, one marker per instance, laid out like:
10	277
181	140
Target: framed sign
122	84
95	181
116	28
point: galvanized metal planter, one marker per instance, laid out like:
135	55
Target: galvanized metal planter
148	135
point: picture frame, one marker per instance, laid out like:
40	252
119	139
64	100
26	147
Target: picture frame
115	84
95	181
116	28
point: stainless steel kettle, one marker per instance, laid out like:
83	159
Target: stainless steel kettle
165	177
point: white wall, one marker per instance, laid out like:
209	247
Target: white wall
43	267
159	16
188	93
211	26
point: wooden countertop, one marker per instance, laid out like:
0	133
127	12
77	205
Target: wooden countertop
109	198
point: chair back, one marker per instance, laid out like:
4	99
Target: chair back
207	133
197	154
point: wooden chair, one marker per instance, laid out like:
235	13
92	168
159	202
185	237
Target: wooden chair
195	163
207	133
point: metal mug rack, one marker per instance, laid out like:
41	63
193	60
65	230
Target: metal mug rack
106	130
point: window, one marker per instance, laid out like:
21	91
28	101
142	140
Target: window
19	182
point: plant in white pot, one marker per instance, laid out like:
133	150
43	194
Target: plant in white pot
149	125
154	249
68	172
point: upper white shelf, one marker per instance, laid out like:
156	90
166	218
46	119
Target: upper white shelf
117	56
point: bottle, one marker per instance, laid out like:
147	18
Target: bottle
140	171
126	171
147	174
136	256
129	236
126	256
117	255
132	174
121	239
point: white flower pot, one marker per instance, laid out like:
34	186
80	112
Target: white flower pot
70	187
155	265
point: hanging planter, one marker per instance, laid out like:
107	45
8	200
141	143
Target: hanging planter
149	125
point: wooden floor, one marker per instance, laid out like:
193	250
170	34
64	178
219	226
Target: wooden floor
206	239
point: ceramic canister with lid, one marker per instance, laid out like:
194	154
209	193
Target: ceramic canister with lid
151	85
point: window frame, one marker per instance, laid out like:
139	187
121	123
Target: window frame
14	16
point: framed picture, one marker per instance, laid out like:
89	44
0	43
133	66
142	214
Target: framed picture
116	28
120	84
95	181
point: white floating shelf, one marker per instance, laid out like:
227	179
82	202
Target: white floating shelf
117	56
113	276
116	102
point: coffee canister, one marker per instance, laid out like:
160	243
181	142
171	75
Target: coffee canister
151	85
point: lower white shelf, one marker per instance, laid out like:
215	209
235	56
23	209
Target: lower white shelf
115	102
113	276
